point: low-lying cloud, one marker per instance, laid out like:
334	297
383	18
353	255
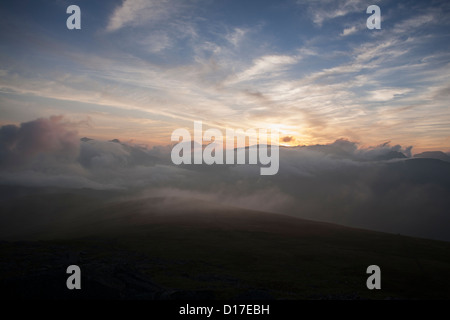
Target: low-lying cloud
382	187
51	138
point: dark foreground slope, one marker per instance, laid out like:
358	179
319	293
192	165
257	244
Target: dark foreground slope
168	248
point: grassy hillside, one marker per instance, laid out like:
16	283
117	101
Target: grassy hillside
141	249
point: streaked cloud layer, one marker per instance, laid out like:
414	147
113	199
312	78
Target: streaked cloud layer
139	69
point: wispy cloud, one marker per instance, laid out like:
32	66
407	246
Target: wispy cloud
321	11
386	94
156	42
139	12
349	31
236	36
266	66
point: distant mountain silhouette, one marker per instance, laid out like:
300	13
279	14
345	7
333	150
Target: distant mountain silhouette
433	155
389	156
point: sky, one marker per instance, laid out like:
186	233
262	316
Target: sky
137	70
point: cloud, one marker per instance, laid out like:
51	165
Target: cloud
266	66
40	140
416	22
324	10
139	12
387	94
156	42
51	147
349	31
442	92
237	36
379	187
343	149
288	139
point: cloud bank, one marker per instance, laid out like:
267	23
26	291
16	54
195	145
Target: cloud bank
381	187
41	140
